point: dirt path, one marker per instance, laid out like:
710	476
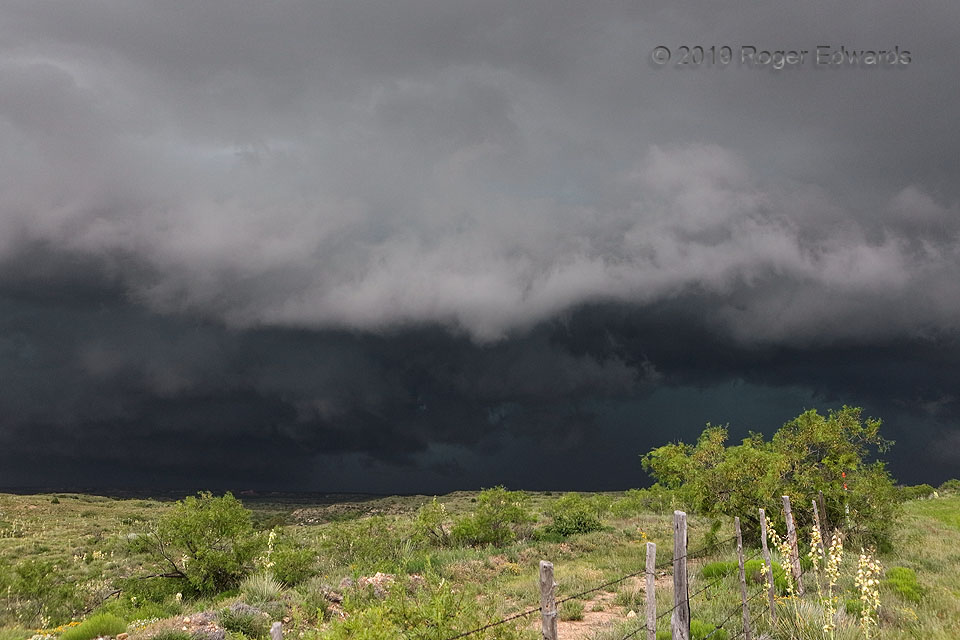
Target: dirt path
610	614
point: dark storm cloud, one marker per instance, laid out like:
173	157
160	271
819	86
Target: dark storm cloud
415	231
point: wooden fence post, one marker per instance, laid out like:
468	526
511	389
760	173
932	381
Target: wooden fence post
769	564
794	549
680	618
548	601
816	521
651	591
743	583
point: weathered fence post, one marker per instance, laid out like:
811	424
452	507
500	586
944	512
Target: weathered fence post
816	521
680	618
743	582
651	591
794	549
768	563
276	631
548	601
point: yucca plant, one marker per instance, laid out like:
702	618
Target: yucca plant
261	588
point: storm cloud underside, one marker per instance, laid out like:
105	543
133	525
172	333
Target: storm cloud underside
396	245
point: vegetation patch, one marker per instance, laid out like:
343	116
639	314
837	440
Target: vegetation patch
96	626
903	582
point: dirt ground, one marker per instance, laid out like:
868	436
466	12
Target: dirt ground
596	621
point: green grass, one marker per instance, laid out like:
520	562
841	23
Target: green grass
14	633
571	610
96	626
88	540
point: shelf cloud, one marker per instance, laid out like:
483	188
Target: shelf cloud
397	231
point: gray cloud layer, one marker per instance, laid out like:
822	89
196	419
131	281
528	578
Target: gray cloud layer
486	167
255	216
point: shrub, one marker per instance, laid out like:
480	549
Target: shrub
244	620
292	562
207	541
430	528
260	588
656	499
571	610
950	486
573	514
38	587
497	520
103	624
369	544
915	492
718	569
903	582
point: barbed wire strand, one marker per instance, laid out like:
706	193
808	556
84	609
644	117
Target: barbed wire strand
532	610
665	563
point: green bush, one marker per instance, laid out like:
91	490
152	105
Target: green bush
103	624
430	527
207	541
292	562
718	569
950	486
903	582
916	492
35	587
498	519
368	544
573	514
249	623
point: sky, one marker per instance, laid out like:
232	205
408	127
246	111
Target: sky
408	246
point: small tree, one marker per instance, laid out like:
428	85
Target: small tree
207	541
810	453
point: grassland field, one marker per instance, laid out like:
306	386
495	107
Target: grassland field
89	540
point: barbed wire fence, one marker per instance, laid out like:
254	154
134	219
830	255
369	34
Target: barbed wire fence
680	624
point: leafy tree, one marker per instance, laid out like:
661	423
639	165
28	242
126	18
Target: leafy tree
207	541
808	454
497	520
